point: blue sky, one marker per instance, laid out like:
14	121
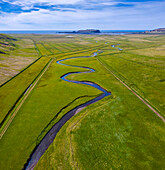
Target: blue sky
81	14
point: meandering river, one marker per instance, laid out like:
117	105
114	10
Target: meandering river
49	137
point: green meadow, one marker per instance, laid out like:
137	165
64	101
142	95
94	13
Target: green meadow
117	132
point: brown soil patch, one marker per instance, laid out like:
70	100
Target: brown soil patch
10	66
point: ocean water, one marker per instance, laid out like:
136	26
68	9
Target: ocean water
111	32
122	31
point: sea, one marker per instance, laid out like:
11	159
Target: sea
110	32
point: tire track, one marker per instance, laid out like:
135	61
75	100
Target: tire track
26	94
133	91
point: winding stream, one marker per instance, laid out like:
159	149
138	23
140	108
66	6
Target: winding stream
114	46
49	137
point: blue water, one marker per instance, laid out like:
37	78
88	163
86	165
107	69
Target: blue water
30	32
114	46
57	31
64	77
122	31
50	136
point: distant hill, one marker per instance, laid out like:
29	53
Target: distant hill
87	31
158	30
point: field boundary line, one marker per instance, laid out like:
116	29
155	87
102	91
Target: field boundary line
38	51
43	44
78	51
20	72
20	97
133	91
40	56
26	94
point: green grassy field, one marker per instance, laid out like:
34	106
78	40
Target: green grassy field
11	91
15	55
39	109
114	133
118	132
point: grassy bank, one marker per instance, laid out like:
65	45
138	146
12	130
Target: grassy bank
119	132
41	108
10	92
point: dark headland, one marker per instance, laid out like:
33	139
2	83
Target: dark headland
157	31
87	31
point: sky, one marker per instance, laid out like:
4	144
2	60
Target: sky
82	14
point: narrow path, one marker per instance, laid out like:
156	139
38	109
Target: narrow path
49	137
143	100
26	94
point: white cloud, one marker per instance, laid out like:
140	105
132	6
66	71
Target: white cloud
146	16
50	2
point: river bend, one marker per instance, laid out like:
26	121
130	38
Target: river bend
49	137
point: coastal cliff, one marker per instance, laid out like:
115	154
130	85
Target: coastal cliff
159	30
87	31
